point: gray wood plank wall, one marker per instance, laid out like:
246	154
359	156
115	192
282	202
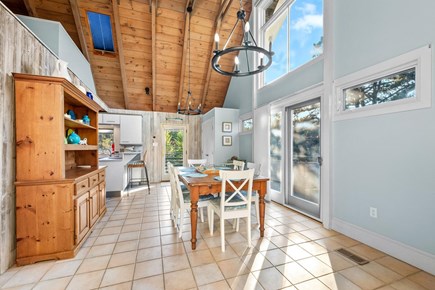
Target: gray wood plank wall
21	52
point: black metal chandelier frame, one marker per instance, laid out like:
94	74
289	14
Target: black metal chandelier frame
246	46
188	110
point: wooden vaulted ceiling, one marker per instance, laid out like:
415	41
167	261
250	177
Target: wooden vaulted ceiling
151	50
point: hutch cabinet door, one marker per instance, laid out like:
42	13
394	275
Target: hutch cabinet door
94	205
81	206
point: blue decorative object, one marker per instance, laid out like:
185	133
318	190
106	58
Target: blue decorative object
90	96
73	138
86	120
72	114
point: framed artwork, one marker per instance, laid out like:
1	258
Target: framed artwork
227	126
227	140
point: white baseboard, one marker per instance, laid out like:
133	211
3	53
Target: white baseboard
408	254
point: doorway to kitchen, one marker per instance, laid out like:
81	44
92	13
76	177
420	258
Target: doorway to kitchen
303	159
174	147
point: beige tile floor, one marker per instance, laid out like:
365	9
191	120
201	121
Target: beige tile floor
135	246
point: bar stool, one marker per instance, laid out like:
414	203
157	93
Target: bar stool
138	164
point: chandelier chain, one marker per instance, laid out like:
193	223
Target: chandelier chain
188	43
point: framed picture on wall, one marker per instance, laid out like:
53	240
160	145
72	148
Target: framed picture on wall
227	140
227	126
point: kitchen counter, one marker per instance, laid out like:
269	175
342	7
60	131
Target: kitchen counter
116	172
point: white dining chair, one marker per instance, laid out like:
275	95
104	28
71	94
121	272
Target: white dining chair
232	203
173	193
182	201
238	165
196	162
255	198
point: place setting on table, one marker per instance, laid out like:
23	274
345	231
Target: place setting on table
201	171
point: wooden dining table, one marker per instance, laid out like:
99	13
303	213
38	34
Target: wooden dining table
208	184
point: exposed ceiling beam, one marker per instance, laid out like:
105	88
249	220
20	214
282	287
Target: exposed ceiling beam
153	47
124	79
189	3
30	6
223	9
77	19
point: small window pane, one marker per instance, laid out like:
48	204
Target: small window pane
277	34
387	89
275	151
105	141
306	31
247	125
101	30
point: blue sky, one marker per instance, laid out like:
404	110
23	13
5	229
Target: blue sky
306	29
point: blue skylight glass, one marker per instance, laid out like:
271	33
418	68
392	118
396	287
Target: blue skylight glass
101	30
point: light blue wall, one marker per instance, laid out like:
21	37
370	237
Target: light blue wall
239	94
208	115
54	36
385	161
246	147
223	153
289	84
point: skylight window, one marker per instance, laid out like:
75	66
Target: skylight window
101	30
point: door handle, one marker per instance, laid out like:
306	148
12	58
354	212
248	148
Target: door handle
320	160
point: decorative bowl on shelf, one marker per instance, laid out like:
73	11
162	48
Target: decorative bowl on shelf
86	120
72	114
72	138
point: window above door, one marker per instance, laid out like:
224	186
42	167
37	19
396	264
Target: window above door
294	28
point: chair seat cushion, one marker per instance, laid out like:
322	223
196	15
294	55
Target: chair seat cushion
217	203
245	193
186	196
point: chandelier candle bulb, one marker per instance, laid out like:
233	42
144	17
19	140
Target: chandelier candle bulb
236	61
247	27
261	58
216	41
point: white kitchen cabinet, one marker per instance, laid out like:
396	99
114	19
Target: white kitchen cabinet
109	119
131	130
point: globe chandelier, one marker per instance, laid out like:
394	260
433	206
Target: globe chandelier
248	45
188	110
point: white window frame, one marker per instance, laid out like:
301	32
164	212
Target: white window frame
262	26
245	117
420	59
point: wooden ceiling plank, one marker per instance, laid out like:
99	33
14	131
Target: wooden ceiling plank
76	14
120	51
30	6
223	9
153	4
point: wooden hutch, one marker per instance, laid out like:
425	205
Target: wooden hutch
60	189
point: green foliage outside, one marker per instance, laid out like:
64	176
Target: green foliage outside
174	147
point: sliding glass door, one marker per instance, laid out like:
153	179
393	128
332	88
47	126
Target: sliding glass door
303	159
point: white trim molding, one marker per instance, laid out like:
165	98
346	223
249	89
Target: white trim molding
408	254
420	59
